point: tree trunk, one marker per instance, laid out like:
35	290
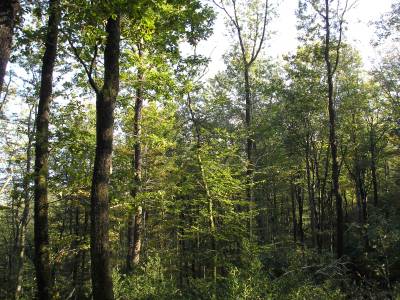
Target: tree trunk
332	136
8	14
20	247
42	263
311	194
318	205
207	192
299	198
105	104
294	219
135	222
249	144
372	150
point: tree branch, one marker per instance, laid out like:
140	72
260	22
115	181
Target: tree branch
254	57
88	70
341	21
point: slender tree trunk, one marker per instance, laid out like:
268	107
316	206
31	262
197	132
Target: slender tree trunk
8	14
249	144
325	197
372	150
207	193
105	103
135	222
332	136
294	220
79	288
361	195
300	208
358	194
25	214
318	205
311	194
42	263
76	245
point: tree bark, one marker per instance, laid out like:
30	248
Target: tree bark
42	263
8	14
105	103
135	222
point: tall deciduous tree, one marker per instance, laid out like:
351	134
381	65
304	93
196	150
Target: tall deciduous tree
159	30
331	17
135	222
99	215
251	43
331	68
42	262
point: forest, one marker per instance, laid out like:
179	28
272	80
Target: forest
129	170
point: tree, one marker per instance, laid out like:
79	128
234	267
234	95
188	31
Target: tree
9	12
332	21
251	43
167	26
388	27
135	222
105	103
140	133
42	263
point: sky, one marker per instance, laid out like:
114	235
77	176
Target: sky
359	32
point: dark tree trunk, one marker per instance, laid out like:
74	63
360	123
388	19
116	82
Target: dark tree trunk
325	197
318	205
294	219
8	14
299	198
311	193
372	150
81	276
135	222
332	135
42	263
105	103
359	193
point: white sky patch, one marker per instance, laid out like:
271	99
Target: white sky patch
359	32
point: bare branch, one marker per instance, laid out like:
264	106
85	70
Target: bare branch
235	22
92	63
222	7
3	188
254	57
6	93
85	67
255	37
313	4
239	31
341	21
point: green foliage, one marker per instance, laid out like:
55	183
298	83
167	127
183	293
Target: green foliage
250	282
201	237
147	283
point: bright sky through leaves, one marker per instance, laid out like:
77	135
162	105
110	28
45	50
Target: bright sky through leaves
359	33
